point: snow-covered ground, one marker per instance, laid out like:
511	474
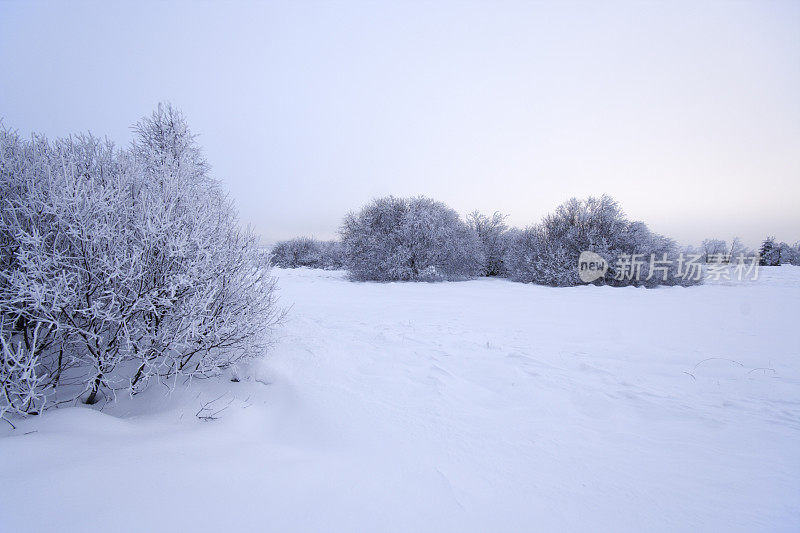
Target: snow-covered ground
476	406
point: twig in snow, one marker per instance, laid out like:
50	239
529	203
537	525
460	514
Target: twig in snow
717	359
207	413
761	368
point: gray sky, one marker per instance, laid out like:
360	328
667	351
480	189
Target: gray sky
687	113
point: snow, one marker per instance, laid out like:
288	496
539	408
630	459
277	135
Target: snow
484	405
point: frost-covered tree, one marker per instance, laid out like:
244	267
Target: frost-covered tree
718	250
215	299
779	253
492	233
713	249
737	249
769	253
298	252
786	254
121	266
409	239
791	254
332	253
307	252
533	256
548	252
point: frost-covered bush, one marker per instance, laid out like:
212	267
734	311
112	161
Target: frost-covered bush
332	253
493	235
294	253
124	266
718	250
769	253
713	248
307	252
409	239
774	253
548	253
790	255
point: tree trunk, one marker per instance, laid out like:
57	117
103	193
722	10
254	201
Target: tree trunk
92	399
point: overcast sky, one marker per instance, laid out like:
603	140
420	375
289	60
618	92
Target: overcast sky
687	113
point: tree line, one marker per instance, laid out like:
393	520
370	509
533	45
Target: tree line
420	239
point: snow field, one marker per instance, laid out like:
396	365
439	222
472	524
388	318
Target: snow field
484	405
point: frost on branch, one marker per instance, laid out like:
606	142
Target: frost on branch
23	379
